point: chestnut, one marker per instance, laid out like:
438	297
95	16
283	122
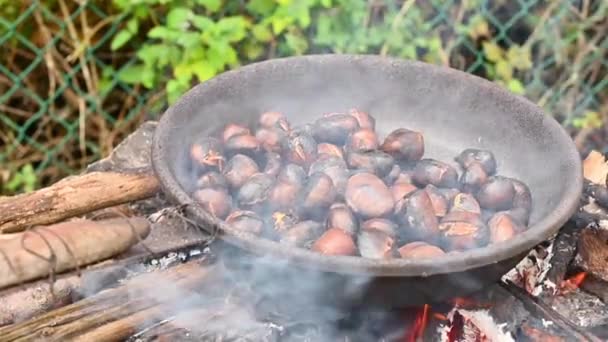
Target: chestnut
404	177
283	195
271	140
318	194
393	175
254	193
300	148
368	196
404	145
497	193
384	226
362	140
238	170
522	198
334	128
503	227
440	204
245	221
415	211
449	193
375	244
473	178
273	119
273	164
215	201
465	202
330	150
208	154
335	241
231	130
212	179
484	157
463	229
325	163
376	162
364	119
340	216
400	190
281	222
420	250
335	168
437	173
302	234
520	214
292	174
243	144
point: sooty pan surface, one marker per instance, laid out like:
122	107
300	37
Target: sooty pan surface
453	110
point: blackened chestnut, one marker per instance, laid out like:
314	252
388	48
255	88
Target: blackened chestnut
497	193
333	167
415	211
208	154
231	130
376	162
473	178
404	145
340	216
273	119
213	180
254	193
243	144
300	148
302	234
238	170
335	128
292	174
215	201
420	250
375	244
400	190
330	150
335	241
325	163
368	196
483	157
271	140
362	140
463	229
245	221
316	197
273	164
385	226
431	171
364	119
503	227
440	204
523	197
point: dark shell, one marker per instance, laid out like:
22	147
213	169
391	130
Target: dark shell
362	140
420	250
473	178
497	193
449	193
415	211
503	227
335	128
212	179
274	120
404	145
375	162
300	148
523	196
246	221
484	157
405	177
292	174
385	226
326	163
273	164
330	150
335	241
231	130
271	140
437	173
465	202
283	196
375	244
400	190
280	222
440	204
243	144
393	175
238	170
255	191
464	235
302	234
368	196
208	154
216	202
335	168
364	119
340	216
316	197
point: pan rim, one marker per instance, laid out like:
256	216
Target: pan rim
450	263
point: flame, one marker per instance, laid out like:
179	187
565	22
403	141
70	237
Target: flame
417	332
467	303
572	283
440	316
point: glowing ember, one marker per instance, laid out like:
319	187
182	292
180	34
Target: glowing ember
466	303
572	283
417	331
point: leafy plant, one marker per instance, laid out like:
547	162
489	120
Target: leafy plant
24	180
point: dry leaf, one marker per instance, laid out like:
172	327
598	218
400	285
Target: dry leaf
595	168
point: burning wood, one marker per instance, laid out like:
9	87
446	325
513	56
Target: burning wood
531	272
572	283
478	325
593	252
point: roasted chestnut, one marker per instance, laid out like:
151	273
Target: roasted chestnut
292	174
437	173
274	120
420	250
364	119
302	234
300	148
335	241
385	226
473	178
449	193
273	164
238	170
463	229
325	163
362	140
215	201
497	193
368	196
246	221
335	168
503	227
415	212
243	144
316	197
522	201
340	216
232	130
208	154
404	177
330	150
213	180
283	196
401	190
254	193
393	175
281	222
440	204
483	157
271	140
376	162
404	145
465	202
375	244
335	128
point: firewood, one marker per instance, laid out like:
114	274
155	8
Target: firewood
593	252
39	251
74	196
116	304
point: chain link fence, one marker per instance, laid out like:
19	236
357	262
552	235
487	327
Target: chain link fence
65	100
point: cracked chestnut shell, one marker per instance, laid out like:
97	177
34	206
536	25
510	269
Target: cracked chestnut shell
330	150
232	129
300	148
254	193
463	230
335	241
496	194
271	140
437	173
400	190
362	140
376	162
302	234
415	211
274	119
212	179
465	202
215	201
283	195
522	201
438	201
334	128
246	221
280	222
243	144
368	196
363	118
238	170
316	197
420	250
340	216
449	193
473	178
208	154
273	164
503	227
484	157
404	145
375	244
335	168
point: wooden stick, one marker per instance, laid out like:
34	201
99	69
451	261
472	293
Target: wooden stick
74	196
114	304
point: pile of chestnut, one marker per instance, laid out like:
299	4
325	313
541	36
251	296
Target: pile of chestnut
335	187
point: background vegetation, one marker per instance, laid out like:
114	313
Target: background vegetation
76	76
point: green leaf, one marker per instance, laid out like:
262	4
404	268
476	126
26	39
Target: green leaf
148	77
261	7
150	53
121	38
492	51
178	17
203	70
201	22
284	2
516	86
262	33
163	33
504	70
133	25
326	3
232	29
131	74
183	72
519	57
175	89
280	23
211	5
296	43
188	39
253	50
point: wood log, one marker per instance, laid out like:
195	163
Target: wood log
593	252
133	296
74	196
64	246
